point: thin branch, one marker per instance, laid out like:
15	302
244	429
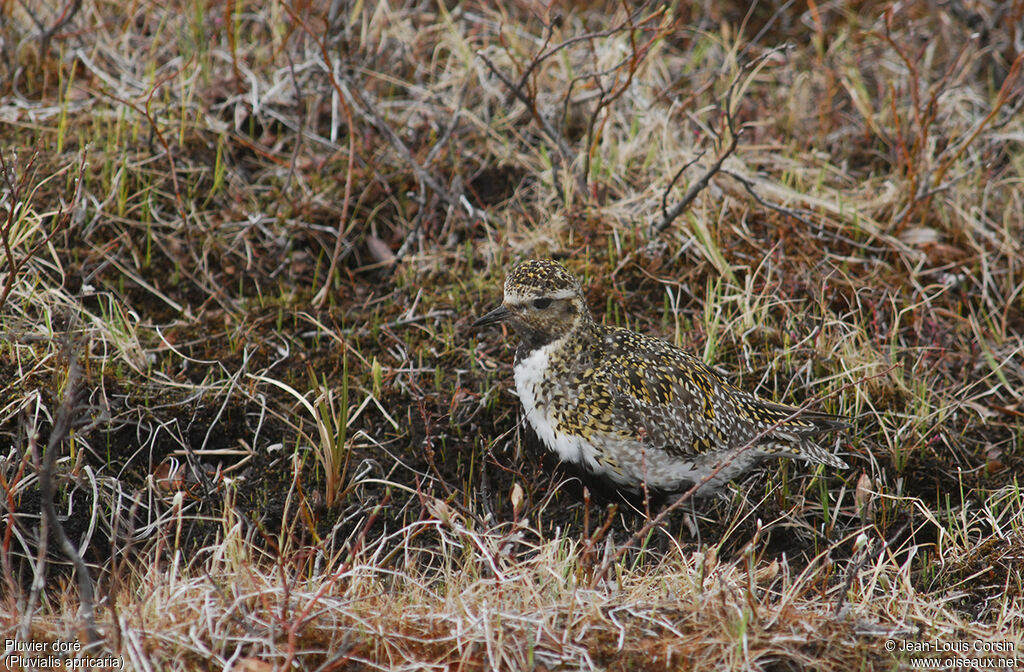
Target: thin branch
675	178
734	136
869	555
18	203
799	215
64	19
59	435
638	52
564	151
748	184
701	182
537	60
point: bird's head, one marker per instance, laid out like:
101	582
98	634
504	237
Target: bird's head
543	302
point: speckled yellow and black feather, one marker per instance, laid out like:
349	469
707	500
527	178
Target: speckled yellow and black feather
538	277
631	407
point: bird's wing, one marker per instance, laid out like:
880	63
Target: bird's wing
668	398
678	404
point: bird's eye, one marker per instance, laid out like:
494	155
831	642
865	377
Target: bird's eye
541	303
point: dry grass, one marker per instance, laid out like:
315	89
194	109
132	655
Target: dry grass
242	244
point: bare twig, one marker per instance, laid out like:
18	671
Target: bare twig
606	95
537	60
565	152
870	554
609	95
668	216
797	214
19	201
702	181
59	434
64	19
672	183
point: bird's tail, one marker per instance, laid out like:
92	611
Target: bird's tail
815	454
803	423
792	437
803	449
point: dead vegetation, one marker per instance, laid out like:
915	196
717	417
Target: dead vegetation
245	425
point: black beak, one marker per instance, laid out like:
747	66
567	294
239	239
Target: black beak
499	314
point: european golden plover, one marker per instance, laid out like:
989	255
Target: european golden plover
634	409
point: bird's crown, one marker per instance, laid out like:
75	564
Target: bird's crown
535	278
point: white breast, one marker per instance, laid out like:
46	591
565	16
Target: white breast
529	373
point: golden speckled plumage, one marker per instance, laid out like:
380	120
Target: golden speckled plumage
633	408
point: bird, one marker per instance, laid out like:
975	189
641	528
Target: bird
632	410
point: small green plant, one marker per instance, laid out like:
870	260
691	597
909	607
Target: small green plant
330	413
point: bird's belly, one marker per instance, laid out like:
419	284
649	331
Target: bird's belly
639	463
537	400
